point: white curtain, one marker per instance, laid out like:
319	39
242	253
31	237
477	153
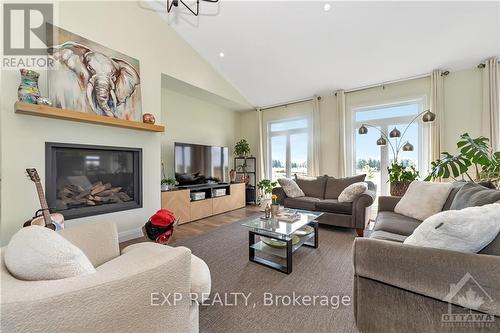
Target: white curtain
437	107
341	111
261	171
316	138
491	102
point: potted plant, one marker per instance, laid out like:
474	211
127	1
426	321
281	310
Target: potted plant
242	148
266	188
475	154
166	183
400	177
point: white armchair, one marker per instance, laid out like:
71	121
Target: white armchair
118	297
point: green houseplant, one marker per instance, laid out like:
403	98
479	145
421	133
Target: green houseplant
475	154
266	188
242	148
166	183
400	177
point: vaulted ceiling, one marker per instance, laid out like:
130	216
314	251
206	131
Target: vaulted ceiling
278	51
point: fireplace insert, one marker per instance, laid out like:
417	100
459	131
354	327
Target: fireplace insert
85	180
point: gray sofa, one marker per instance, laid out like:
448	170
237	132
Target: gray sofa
404	288
321	194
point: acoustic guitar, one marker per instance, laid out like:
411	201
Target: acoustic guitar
54	221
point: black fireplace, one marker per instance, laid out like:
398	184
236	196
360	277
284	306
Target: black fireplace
85	180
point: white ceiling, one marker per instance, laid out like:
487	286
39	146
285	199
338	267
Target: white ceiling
287	50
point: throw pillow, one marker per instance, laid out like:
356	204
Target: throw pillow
423	199
39	253
291	189
312	186
467	230
351	192
474	195
335	186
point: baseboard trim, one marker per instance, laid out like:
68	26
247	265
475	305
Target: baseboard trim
130	234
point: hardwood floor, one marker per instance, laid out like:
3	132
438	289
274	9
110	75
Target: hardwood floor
195	228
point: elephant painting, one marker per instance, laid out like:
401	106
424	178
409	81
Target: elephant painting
88	77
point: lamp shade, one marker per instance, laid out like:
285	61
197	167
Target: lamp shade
381	141
407	146
362	130
395	133
428	117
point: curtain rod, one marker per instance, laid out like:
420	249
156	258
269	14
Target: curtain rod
421	76
289	103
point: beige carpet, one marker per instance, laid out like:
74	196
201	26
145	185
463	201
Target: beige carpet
316	272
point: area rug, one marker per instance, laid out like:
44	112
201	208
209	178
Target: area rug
248	297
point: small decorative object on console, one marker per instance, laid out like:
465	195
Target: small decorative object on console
232	176
195	196
219	192
167	183
28	91
148	118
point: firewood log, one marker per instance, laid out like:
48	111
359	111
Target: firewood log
105	193
98	189
83	194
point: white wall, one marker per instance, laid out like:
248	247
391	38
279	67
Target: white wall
132	30
463	104
193	120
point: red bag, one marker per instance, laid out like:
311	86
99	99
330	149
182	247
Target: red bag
163	218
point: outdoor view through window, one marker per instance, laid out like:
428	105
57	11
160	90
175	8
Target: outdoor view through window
288	147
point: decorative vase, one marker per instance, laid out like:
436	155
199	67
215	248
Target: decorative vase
148	118
264	202
399	188
165	187
275	209
28	91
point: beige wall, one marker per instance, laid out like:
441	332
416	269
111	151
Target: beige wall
137	32
193	120
463	104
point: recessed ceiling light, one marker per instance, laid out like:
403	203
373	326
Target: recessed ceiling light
221	54
327	7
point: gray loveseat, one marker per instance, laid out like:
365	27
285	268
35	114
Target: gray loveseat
404	288
321	194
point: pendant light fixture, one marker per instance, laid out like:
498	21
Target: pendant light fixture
427	117
195	12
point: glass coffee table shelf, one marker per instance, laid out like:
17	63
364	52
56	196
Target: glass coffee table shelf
282	231
281	252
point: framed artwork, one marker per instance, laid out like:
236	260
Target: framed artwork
88	77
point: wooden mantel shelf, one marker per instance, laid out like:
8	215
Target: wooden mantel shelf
52	112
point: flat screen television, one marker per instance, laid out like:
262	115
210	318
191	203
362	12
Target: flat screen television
198	164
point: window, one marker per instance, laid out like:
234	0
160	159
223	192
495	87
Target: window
288	145
373	160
